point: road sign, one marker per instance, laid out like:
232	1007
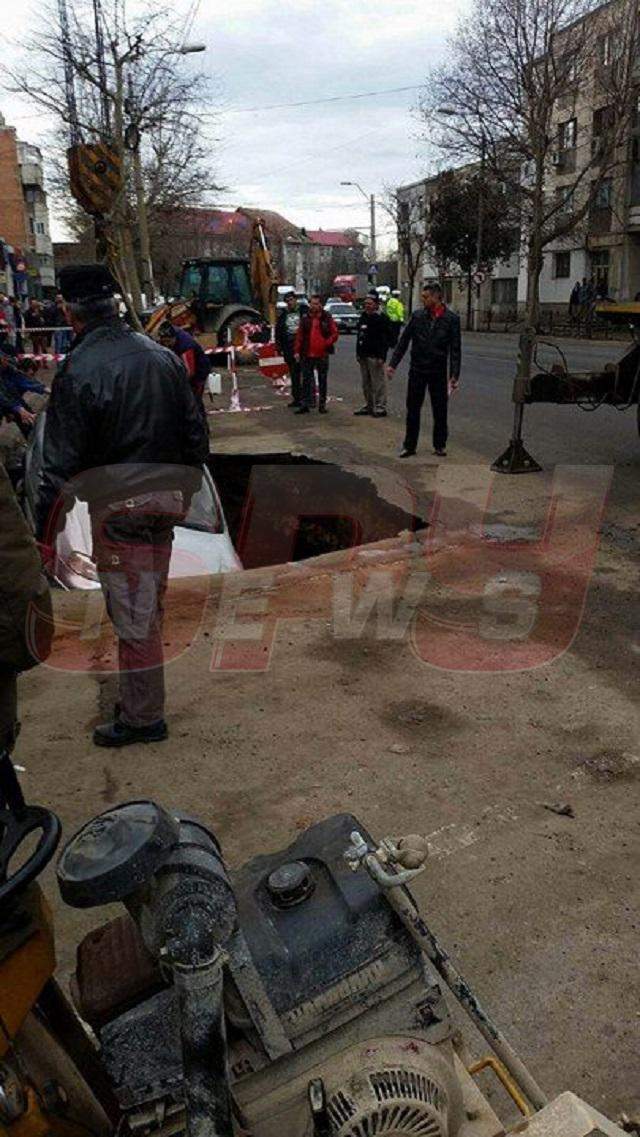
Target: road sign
479	277
272	365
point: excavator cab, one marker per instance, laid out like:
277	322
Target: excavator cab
213	288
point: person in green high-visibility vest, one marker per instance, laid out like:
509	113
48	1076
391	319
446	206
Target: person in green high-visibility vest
395	312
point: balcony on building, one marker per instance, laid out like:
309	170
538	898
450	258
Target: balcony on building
30	161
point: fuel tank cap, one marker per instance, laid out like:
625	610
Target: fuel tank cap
116	853
290	884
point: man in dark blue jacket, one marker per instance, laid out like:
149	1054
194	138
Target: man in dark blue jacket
192	354
434	334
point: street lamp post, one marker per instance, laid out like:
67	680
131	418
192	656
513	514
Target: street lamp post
371	198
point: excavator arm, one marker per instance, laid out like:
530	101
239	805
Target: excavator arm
264	279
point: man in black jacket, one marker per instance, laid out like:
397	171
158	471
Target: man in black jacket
372	344
287	325
123	432
434	334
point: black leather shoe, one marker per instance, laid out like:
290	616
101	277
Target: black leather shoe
301	411
363	411
441	453
405	453
322	410
379	414
119	733
293	403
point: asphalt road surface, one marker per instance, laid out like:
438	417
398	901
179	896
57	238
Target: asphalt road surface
481	412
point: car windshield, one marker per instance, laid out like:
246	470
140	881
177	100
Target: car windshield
204	514
343	309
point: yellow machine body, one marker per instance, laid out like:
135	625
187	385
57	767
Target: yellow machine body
27	961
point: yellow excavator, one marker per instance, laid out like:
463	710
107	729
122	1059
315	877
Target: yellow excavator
216	296
300	995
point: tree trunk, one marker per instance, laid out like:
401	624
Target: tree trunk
143	230
469	299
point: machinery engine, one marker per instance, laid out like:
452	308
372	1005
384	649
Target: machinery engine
335	1023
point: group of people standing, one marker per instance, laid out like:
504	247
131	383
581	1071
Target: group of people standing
42	322
307	337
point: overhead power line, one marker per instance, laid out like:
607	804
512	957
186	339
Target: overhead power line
328	99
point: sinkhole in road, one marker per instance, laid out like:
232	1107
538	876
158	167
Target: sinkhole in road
283	507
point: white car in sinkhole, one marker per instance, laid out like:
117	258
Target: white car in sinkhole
202	545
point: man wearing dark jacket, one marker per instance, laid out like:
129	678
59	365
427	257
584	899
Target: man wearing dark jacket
315	340
372	343
287	326
26	624
123	432
192	354
434	334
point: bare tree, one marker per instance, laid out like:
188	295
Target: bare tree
518	76
128	90
410	215
453	222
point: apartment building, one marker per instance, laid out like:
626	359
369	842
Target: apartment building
496	298
605	247
27	253
39	246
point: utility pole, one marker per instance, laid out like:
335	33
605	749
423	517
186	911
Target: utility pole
480	227
371	198
374	257
133	140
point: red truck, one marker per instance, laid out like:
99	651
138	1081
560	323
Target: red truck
351	288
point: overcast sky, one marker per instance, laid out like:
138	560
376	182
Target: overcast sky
263	52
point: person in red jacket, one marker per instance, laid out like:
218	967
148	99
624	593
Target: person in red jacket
315	338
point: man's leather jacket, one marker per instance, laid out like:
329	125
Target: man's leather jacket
119	398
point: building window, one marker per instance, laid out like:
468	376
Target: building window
603	121
505	291
565	198
567	134
605	49
562	264
600	270
31	225
604	194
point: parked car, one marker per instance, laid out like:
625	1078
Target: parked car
202	545
284	290
346	316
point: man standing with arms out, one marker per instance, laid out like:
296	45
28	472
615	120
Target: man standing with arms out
124	424
372	344
395	312
192	354
287	326
314	343
434	334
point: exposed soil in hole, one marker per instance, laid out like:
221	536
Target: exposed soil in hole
287	507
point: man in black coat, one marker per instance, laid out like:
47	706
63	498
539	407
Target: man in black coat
372	344
434	334
287	325
123	432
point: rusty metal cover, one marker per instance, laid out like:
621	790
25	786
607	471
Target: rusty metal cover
114	971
